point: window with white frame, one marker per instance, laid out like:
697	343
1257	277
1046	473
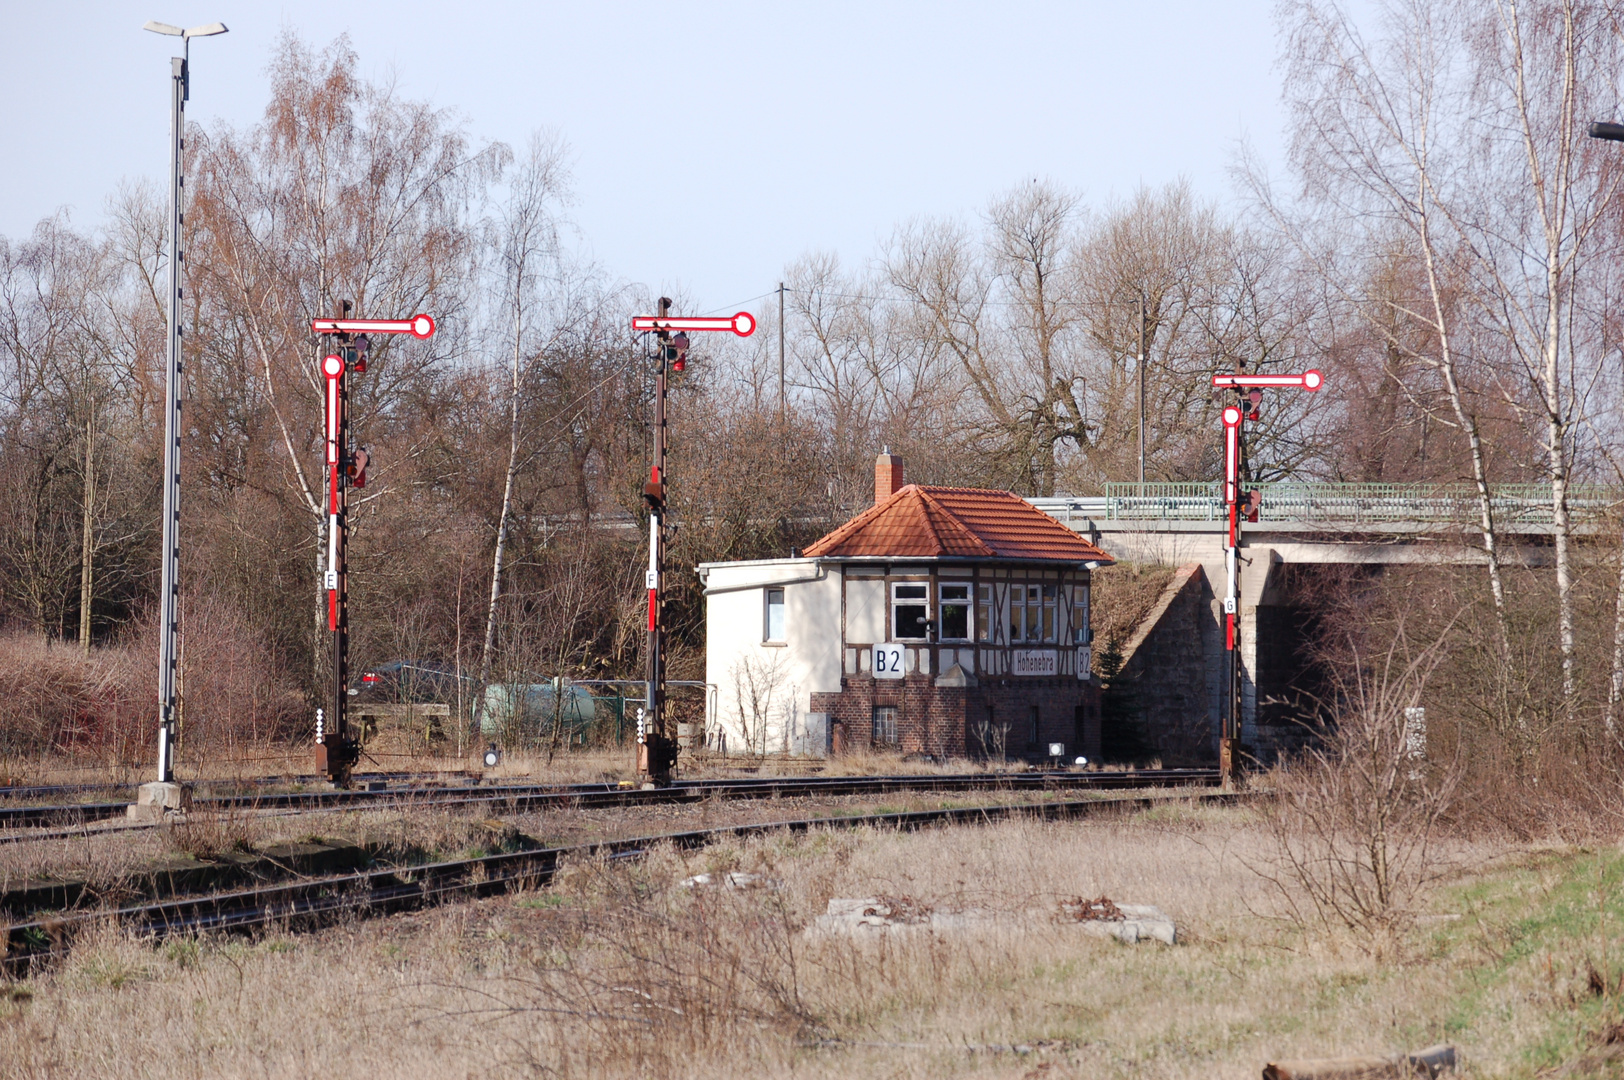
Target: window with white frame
1081	632
1032	613
954	603
884	729
773	620
910	611
984	613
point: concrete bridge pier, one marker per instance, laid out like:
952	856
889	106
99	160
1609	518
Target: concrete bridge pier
1175	666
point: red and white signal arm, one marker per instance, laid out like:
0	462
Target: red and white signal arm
742	323
420	326
1309	380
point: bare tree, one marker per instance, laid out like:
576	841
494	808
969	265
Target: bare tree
1462	130
1033	255
1356	822
1545	69
757	683
529	236
1366	144
347	191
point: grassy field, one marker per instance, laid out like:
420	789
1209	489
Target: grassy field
619	971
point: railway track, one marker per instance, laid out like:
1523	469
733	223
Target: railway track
18	820
50	791
309	903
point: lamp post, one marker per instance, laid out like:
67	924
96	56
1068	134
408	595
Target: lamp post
169	584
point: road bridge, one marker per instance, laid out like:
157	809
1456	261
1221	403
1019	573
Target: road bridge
1173	665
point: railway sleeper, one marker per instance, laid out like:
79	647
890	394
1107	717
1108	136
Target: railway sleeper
309	904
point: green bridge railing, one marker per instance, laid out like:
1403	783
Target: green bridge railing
1350	504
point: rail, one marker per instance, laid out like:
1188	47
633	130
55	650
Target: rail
20	821
1347	505
315	902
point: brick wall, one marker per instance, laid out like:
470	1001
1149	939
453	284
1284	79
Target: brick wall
946	721
1168	669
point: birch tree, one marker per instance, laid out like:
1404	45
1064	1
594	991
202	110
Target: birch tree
1542	70
529	237
1371	140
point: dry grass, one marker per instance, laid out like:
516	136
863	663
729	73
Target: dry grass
591	765
617	972
1124	593
69	715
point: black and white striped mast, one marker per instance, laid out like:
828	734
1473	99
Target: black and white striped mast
169	579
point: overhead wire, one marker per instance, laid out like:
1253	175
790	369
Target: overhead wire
914	300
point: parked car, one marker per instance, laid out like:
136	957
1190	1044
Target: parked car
410	682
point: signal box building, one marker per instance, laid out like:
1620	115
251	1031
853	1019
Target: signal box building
944	621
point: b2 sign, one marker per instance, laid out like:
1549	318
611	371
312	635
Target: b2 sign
888	662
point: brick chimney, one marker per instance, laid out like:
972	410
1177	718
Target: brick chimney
887	475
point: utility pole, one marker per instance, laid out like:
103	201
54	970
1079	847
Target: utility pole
668	349
1141	363
1250	390
336	751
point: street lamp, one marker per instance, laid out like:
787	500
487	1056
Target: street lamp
165	795
1602	129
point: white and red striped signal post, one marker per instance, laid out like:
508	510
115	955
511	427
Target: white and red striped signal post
336	751
665	343
1250	388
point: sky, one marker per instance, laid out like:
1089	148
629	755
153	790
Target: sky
711	144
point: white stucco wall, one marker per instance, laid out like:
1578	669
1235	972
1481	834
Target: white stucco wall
764	691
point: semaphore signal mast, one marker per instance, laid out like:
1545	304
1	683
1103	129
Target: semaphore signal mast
336	751
1250	388
668	349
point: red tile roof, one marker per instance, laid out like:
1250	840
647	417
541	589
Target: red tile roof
946	522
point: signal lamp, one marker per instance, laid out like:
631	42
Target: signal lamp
357	469
492	756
